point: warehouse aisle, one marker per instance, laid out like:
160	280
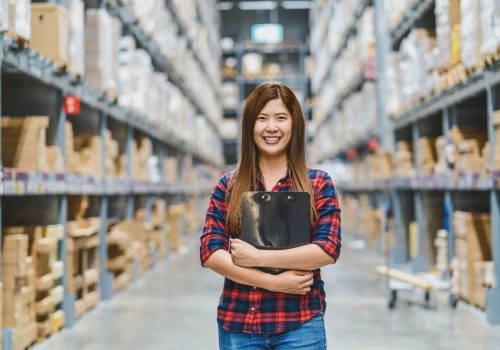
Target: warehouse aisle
173	307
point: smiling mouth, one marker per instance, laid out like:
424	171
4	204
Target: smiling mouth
272	139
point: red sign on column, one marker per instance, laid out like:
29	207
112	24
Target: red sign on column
71	105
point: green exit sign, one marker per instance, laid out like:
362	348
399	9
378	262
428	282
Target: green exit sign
267	33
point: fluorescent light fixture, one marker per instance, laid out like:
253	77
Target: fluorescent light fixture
296	5
267	33
258	5
225	5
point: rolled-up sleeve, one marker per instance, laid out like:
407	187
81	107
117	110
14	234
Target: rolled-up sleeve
215	234
326	231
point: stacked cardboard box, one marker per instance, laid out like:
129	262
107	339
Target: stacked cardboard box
484	272
441	246
88	149
171	166
18	277
350	213
49	35
369	224
427	155
380	165
158	220
403	159
24	143
112	161
468	141
82	261
496	124
176	224
19	20
119	253
142	149
141	242
472	245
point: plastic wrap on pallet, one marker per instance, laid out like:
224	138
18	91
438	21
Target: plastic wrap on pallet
447	14
4	15
489	11
470	32
99	49
20	19
143	69
126	71
76	43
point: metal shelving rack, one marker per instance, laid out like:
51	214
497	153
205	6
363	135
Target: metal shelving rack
52	190
406	195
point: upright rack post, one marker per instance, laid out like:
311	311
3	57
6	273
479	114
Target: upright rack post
493	295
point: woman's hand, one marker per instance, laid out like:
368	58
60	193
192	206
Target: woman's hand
293	282
244	254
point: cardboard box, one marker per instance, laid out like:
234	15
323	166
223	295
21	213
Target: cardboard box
49	22
171	167
23	142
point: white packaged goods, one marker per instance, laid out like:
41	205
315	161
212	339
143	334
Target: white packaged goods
447	14
252	65
413	68
76	44
4	15
143	69
20	19
470	32
230	95
99	49
490	9
126	71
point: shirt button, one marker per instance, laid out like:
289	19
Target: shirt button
253	309
254	288
279	183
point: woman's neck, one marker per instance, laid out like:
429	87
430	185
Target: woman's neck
273	166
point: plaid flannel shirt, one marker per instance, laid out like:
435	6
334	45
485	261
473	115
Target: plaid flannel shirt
247	309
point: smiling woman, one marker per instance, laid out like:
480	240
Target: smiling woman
257	309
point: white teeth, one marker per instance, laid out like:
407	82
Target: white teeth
271	138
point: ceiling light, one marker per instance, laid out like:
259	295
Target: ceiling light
296	5
258	5
225	6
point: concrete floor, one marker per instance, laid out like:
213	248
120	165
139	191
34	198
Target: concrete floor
174	307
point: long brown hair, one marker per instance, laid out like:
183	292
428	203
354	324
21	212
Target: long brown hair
245	175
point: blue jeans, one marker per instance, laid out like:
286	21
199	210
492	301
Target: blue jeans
309	336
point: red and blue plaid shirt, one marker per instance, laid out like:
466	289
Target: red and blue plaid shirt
246	309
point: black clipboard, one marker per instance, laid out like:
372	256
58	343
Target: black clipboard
275	220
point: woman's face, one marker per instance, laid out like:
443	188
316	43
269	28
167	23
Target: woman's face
273	128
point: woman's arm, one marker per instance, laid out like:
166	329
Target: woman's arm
293	282
308	257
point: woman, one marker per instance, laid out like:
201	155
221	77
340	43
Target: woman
258	310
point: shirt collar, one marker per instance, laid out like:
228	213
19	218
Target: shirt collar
286	177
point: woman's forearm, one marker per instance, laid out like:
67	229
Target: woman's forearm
221	262
308	258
